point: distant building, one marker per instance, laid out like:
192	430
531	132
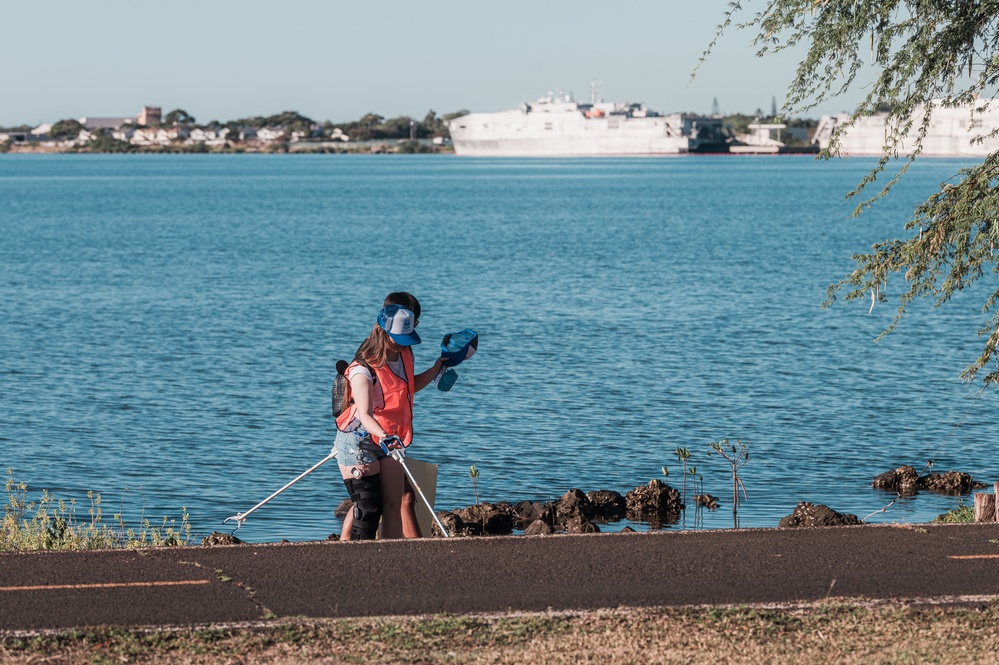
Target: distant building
82	139
150	115
208	136
105	123
157	136
270	134
123	134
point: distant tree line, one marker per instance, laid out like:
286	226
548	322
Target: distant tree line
369	127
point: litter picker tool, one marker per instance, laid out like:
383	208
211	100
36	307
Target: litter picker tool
239	518
399	455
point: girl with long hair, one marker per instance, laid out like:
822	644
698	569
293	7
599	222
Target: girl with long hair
378	408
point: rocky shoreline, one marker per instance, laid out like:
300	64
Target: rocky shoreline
656	504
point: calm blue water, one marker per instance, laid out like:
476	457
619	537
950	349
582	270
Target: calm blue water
169	325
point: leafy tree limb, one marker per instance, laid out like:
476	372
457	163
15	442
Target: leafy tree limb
924	55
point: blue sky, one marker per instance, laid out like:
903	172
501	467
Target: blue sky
221	59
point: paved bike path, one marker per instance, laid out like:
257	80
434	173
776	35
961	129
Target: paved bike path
215	585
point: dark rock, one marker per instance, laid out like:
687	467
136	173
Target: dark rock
333	536
580	525
952	482
527	512
539	528
904	480
608	505
454	524
656	503
706	500
216	538
805	514
504	507
573	504
627	529
491	520
341	511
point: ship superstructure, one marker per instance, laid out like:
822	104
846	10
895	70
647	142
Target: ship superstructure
557	125
952	133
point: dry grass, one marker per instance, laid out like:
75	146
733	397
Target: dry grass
837	632
50	523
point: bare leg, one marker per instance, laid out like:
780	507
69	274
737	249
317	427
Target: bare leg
410	527
348	522
393	488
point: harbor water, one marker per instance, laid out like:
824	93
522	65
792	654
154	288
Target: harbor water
169	326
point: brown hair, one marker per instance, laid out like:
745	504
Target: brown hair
404	299
375	349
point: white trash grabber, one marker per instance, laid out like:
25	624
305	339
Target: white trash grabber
241	517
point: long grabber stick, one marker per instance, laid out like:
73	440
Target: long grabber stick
241	517
399	455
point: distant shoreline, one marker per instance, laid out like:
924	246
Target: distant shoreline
303	148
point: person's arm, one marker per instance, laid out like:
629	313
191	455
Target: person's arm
361	388
423	379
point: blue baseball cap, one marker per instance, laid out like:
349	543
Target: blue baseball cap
400	324
459	346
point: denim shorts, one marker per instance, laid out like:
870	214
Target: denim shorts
355	449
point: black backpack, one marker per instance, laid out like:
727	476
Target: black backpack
340	385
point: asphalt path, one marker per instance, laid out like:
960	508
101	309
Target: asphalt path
198	586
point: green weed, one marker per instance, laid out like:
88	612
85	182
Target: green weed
50	523
961	514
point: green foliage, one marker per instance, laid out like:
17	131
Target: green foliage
52	524
290	120
373	127
740	122
923	55
683	454
737	456
447	117
178	117
473	473
5	146
961	514
412	147
432	125
65	129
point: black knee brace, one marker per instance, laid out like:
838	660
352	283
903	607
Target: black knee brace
366	493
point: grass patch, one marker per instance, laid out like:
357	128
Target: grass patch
833	632
959	515
53	524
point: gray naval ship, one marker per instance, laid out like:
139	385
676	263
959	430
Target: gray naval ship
954	131
558	126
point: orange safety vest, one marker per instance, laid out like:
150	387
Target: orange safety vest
394	411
